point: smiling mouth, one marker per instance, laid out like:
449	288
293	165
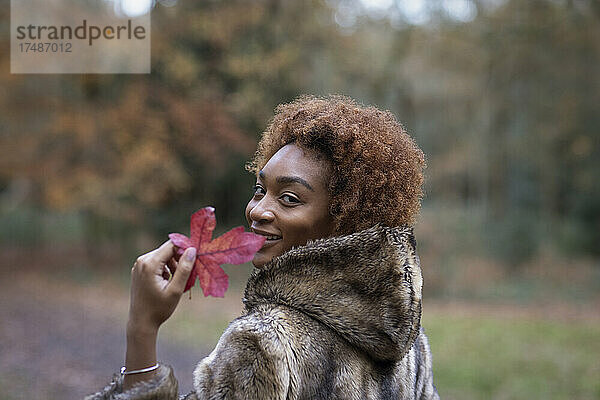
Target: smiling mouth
270	238
271	241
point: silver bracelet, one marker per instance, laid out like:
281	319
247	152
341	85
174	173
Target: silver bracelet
138	371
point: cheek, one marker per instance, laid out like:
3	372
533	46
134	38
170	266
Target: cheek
299	231
317	225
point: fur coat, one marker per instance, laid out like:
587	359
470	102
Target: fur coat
338	318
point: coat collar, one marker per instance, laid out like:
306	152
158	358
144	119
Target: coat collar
365	286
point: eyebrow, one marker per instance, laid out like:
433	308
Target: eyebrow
289	179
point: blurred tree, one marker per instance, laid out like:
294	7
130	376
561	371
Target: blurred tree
504	105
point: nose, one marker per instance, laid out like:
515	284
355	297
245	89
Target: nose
261	212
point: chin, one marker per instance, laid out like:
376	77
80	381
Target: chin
265	255
260	260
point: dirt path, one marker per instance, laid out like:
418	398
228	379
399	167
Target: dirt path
55	347
61	339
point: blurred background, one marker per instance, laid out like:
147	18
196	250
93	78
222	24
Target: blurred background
503	96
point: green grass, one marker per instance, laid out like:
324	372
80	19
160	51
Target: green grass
487	357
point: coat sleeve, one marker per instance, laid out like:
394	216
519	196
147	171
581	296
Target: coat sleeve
162	386
248	363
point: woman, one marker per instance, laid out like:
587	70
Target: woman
332	310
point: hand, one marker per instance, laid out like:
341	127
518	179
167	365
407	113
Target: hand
153	300
153	296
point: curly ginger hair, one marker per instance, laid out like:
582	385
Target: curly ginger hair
377	168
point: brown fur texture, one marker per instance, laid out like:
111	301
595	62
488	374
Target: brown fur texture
162	386
338	318
377	168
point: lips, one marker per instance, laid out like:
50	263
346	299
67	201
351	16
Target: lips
271	237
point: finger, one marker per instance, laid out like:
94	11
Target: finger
182	273
164	253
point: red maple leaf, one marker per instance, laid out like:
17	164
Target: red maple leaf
233	247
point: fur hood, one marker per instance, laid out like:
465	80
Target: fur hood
365	286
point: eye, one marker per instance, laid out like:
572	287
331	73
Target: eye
258	190
289	199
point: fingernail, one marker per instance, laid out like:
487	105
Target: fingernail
190	254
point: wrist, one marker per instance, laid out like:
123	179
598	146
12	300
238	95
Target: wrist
137	329
141	351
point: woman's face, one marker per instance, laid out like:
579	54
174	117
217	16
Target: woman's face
290	204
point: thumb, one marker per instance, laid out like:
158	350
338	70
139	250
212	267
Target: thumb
184	268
